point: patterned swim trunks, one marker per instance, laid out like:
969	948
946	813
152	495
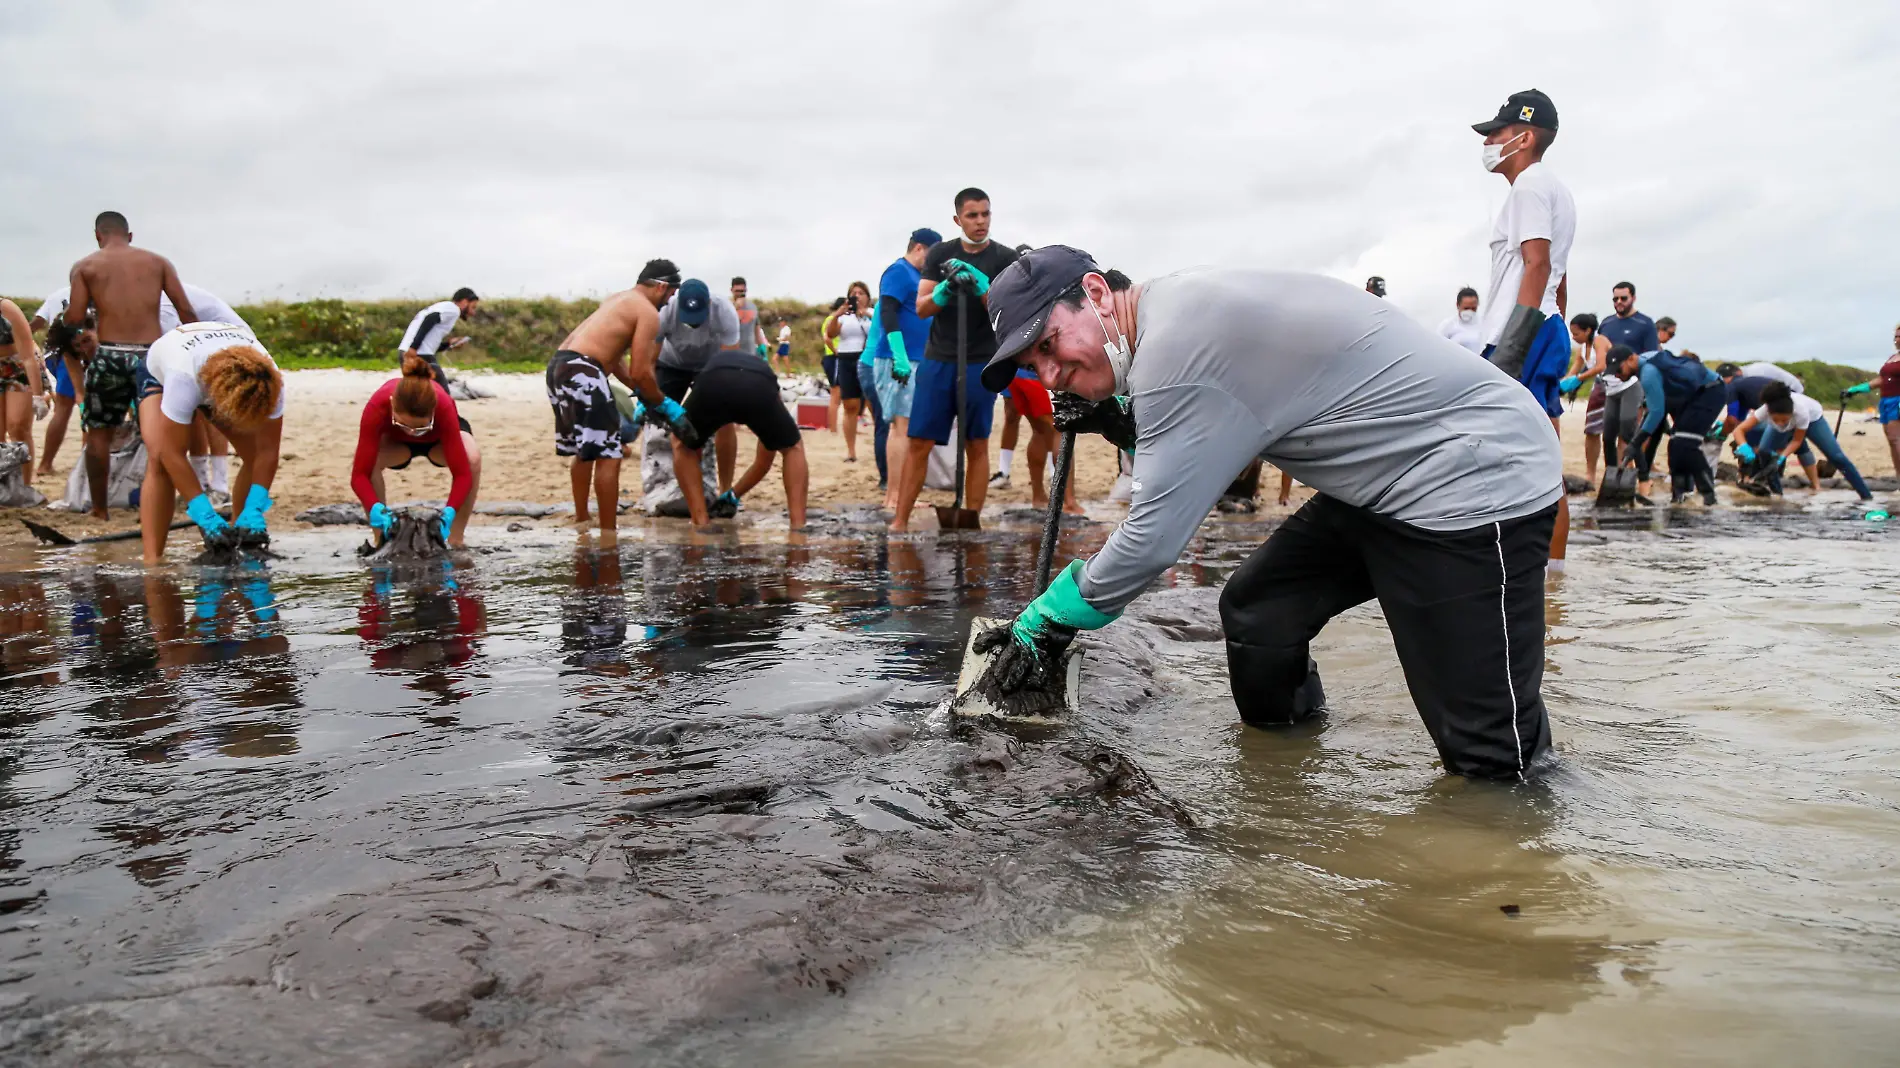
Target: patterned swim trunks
13	376
586	423
112	386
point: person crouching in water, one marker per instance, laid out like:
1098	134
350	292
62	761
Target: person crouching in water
734	387
409	417
1693	398
1788	421
223	371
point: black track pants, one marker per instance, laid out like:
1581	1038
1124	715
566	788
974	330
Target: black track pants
1466	610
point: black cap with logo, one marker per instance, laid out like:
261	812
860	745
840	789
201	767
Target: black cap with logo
1021	298
1530	107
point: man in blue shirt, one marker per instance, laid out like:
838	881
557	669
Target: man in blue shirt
1693	397
884	369
1628	326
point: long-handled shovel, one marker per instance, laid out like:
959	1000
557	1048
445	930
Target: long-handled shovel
956	516
1825	468
53	537
970	699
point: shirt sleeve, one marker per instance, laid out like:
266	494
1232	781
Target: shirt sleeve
726	321
422	331
1652	381
1649	339
933	264
1193	440
369	442
454	452
1533	215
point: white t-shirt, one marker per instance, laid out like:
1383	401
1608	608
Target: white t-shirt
1470	335
1538	206
1769	370
210	309
853	330
176	359
1806	410
430	328
785	334
53	306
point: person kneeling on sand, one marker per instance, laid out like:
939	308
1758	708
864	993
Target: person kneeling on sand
409	417
621	338
221	371
737	388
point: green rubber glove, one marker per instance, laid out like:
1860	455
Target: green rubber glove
978	280
1863	387
940	296
900	358
1029	650
763	351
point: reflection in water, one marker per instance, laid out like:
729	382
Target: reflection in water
689	803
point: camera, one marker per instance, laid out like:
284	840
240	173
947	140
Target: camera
852	300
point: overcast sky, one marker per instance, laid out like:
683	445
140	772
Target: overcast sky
1736	160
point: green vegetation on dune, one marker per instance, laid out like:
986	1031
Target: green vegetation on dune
1824	382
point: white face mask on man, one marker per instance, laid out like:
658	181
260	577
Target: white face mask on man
1119	354
1494	155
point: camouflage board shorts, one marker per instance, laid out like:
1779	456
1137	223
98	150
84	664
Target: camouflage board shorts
586	423
112	391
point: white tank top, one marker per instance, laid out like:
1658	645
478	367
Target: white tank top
852	332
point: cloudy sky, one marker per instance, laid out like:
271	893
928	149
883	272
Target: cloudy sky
1736	160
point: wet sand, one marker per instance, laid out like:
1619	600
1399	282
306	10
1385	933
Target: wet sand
515	430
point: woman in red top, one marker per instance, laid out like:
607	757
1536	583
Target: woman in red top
409	417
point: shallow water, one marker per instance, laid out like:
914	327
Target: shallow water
694	802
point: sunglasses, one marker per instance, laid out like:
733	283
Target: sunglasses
407	429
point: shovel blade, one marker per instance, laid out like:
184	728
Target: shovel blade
950	517
47	534
969	701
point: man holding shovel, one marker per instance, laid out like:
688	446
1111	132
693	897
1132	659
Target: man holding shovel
1438	478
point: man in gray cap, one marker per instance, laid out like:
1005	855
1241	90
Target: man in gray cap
1438	479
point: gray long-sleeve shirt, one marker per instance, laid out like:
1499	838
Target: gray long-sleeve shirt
689	347
1328	383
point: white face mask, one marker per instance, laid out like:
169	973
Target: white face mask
1494	155
1119	354
1465	315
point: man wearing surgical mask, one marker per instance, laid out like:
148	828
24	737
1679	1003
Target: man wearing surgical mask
1436	481
1524	329
1464	327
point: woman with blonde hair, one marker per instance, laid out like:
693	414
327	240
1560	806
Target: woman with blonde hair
409	417
221	370
21	388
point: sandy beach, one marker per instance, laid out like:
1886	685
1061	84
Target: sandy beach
515	430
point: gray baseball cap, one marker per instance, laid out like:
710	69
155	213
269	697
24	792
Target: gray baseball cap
1021	298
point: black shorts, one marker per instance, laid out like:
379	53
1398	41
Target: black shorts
424	448
674	381
724	395
586	422
849	388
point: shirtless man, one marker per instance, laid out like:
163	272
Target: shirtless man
123	285
621	338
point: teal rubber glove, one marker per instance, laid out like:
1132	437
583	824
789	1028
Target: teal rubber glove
639	412
381	519
724	506
256	503
900	358
940	296
1745	453
202	513
1569	384
673	417
763	351
979	281
448	520
1029	650
1858	388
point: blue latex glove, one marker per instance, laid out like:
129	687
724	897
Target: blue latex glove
448	520
672	416
900	358
257	592
639	411
979	281
256	503
207	517
1029	650
1861	387
1569	384
725	505
381	519
1745	453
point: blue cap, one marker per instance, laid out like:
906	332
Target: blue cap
925	236
695	302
